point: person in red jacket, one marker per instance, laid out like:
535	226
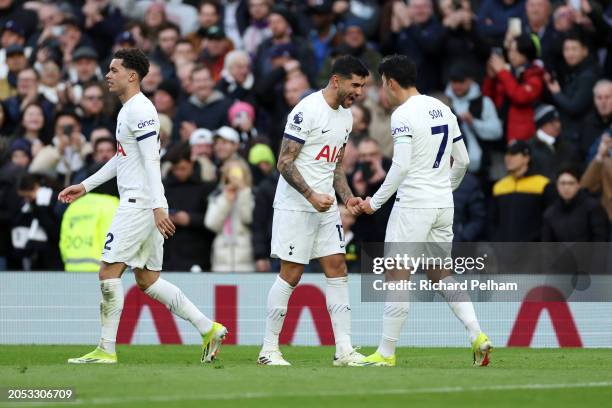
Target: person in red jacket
515	90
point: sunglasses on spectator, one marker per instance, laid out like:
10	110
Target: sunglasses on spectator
93	97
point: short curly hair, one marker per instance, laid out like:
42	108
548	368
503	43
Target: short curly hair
134	58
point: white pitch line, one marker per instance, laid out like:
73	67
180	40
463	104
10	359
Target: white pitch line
259	395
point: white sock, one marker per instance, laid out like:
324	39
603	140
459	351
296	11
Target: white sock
394	317
278	299
461	304
337	299
176	301
111	307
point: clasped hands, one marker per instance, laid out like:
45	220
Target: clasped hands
357	206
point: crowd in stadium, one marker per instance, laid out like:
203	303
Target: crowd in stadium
529	80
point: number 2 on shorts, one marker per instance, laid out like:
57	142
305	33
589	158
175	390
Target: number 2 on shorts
109	239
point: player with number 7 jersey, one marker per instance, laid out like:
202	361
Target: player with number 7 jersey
426	136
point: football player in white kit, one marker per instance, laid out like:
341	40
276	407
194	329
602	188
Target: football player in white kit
306	223
136	235
426	135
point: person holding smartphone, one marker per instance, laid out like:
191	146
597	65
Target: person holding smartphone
66	155
229	215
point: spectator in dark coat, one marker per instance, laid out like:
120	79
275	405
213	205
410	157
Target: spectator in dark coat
549	151
420	37
575	216
103	22
237	80
538	21
517	90
10	202
371	170
190	247
462	43
167	38
519	199
205	108
13	10
27	92
36	227
573	93
493	17
280	23
354	43
262	222
278	92
94	111
470	218
598	119
104	148
324	35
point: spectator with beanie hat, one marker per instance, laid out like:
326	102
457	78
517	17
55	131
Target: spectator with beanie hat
549	150
242	118
261	158
519	87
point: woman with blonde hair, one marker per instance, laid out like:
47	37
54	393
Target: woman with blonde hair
229	215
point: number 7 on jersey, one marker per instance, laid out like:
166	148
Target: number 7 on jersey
436	130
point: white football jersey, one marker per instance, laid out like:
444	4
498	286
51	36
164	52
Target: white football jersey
432	129
137	139
323	131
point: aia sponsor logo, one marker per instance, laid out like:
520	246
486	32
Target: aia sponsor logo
120	150
328	154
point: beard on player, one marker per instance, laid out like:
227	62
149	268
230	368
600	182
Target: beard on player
346	99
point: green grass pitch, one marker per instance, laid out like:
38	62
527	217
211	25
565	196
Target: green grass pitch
172	376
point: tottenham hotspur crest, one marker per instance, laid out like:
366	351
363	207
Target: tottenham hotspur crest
298	118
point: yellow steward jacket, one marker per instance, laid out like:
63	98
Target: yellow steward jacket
83	232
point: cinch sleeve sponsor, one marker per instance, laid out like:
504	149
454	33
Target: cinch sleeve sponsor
400	130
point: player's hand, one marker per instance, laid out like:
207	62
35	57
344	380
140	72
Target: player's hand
163	223
71	193
366	207
354	205
321	202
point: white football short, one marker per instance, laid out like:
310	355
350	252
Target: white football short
420	231
134	239
299	236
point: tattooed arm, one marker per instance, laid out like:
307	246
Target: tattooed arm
287	168
340	183
353	204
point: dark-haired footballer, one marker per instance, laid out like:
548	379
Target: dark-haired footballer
136	235
426	136
306	223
